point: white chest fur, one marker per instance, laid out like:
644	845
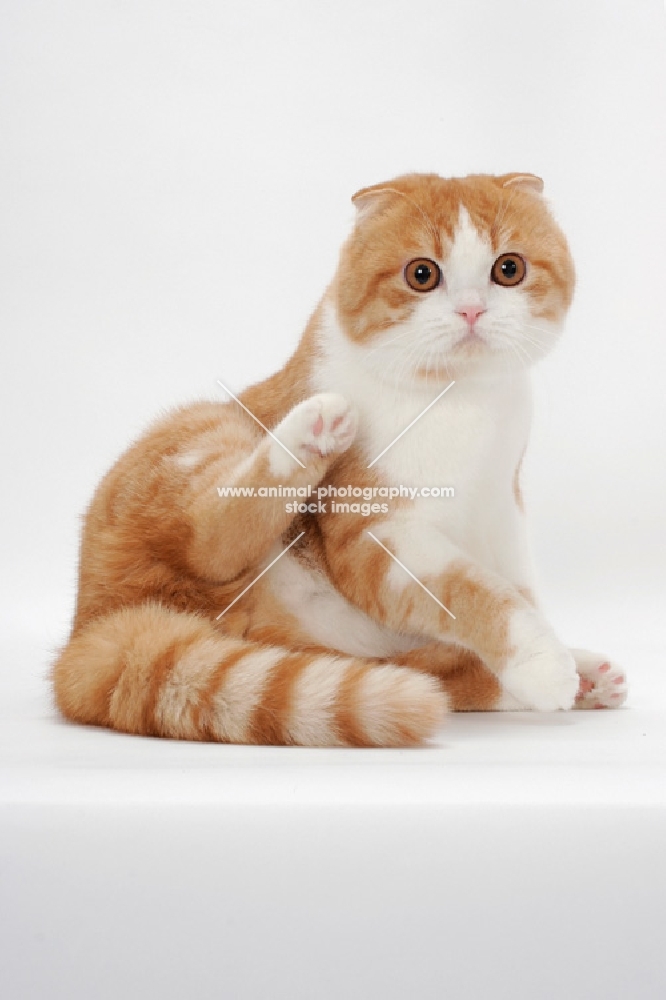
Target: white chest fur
471	439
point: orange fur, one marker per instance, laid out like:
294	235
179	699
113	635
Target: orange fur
162	555
417	212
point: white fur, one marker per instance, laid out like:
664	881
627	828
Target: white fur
541	673
182	689
468	265
509	703
418	543
471	439
299	431
311	719
388	693
609	684
189	459
328	617
241	692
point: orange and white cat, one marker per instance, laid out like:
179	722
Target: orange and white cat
372	624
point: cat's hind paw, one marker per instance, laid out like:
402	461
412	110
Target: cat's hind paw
602	683
322	425
332	426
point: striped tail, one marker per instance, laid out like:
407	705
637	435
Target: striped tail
157	672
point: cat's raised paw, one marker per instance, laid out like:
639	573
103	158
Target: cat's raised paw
322	425
602	684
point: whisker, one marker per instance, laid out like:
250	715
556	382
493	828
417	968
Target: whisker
387	343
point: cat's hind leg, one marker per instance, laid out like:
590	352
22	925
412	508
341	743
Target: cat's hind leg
469	684
235	501
602	683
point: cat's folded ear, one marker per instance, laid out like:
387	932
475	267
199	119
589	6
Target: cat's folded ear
525	182
369	200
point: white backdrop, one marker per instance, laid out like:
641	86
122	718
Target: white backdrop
175	180
175	185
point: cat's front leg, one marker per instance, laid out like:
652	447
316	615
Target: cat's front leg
601	684
540	671
411	577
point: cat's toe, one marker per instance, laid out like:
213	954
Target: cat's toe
332	424
602	683
322	425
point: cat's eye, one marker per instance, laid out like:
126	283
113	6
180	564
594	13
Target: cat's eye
422	274
509	269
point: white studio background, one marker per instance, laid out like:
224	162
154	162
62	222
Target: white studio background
175	183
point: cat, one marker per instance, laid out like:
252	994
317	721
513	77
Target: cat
205	616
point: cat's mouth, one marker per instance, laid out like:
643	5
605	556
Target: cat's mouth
472	340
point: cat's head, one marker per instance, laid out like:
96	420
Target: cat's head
447	277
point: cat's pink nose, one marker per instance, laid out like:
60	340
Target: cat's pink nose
471	313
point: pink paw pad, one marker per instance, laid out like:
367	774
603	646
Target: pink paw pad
601	685
318	426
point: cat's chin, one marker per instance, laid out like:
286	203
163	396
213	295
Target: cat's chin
482	364
453	369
